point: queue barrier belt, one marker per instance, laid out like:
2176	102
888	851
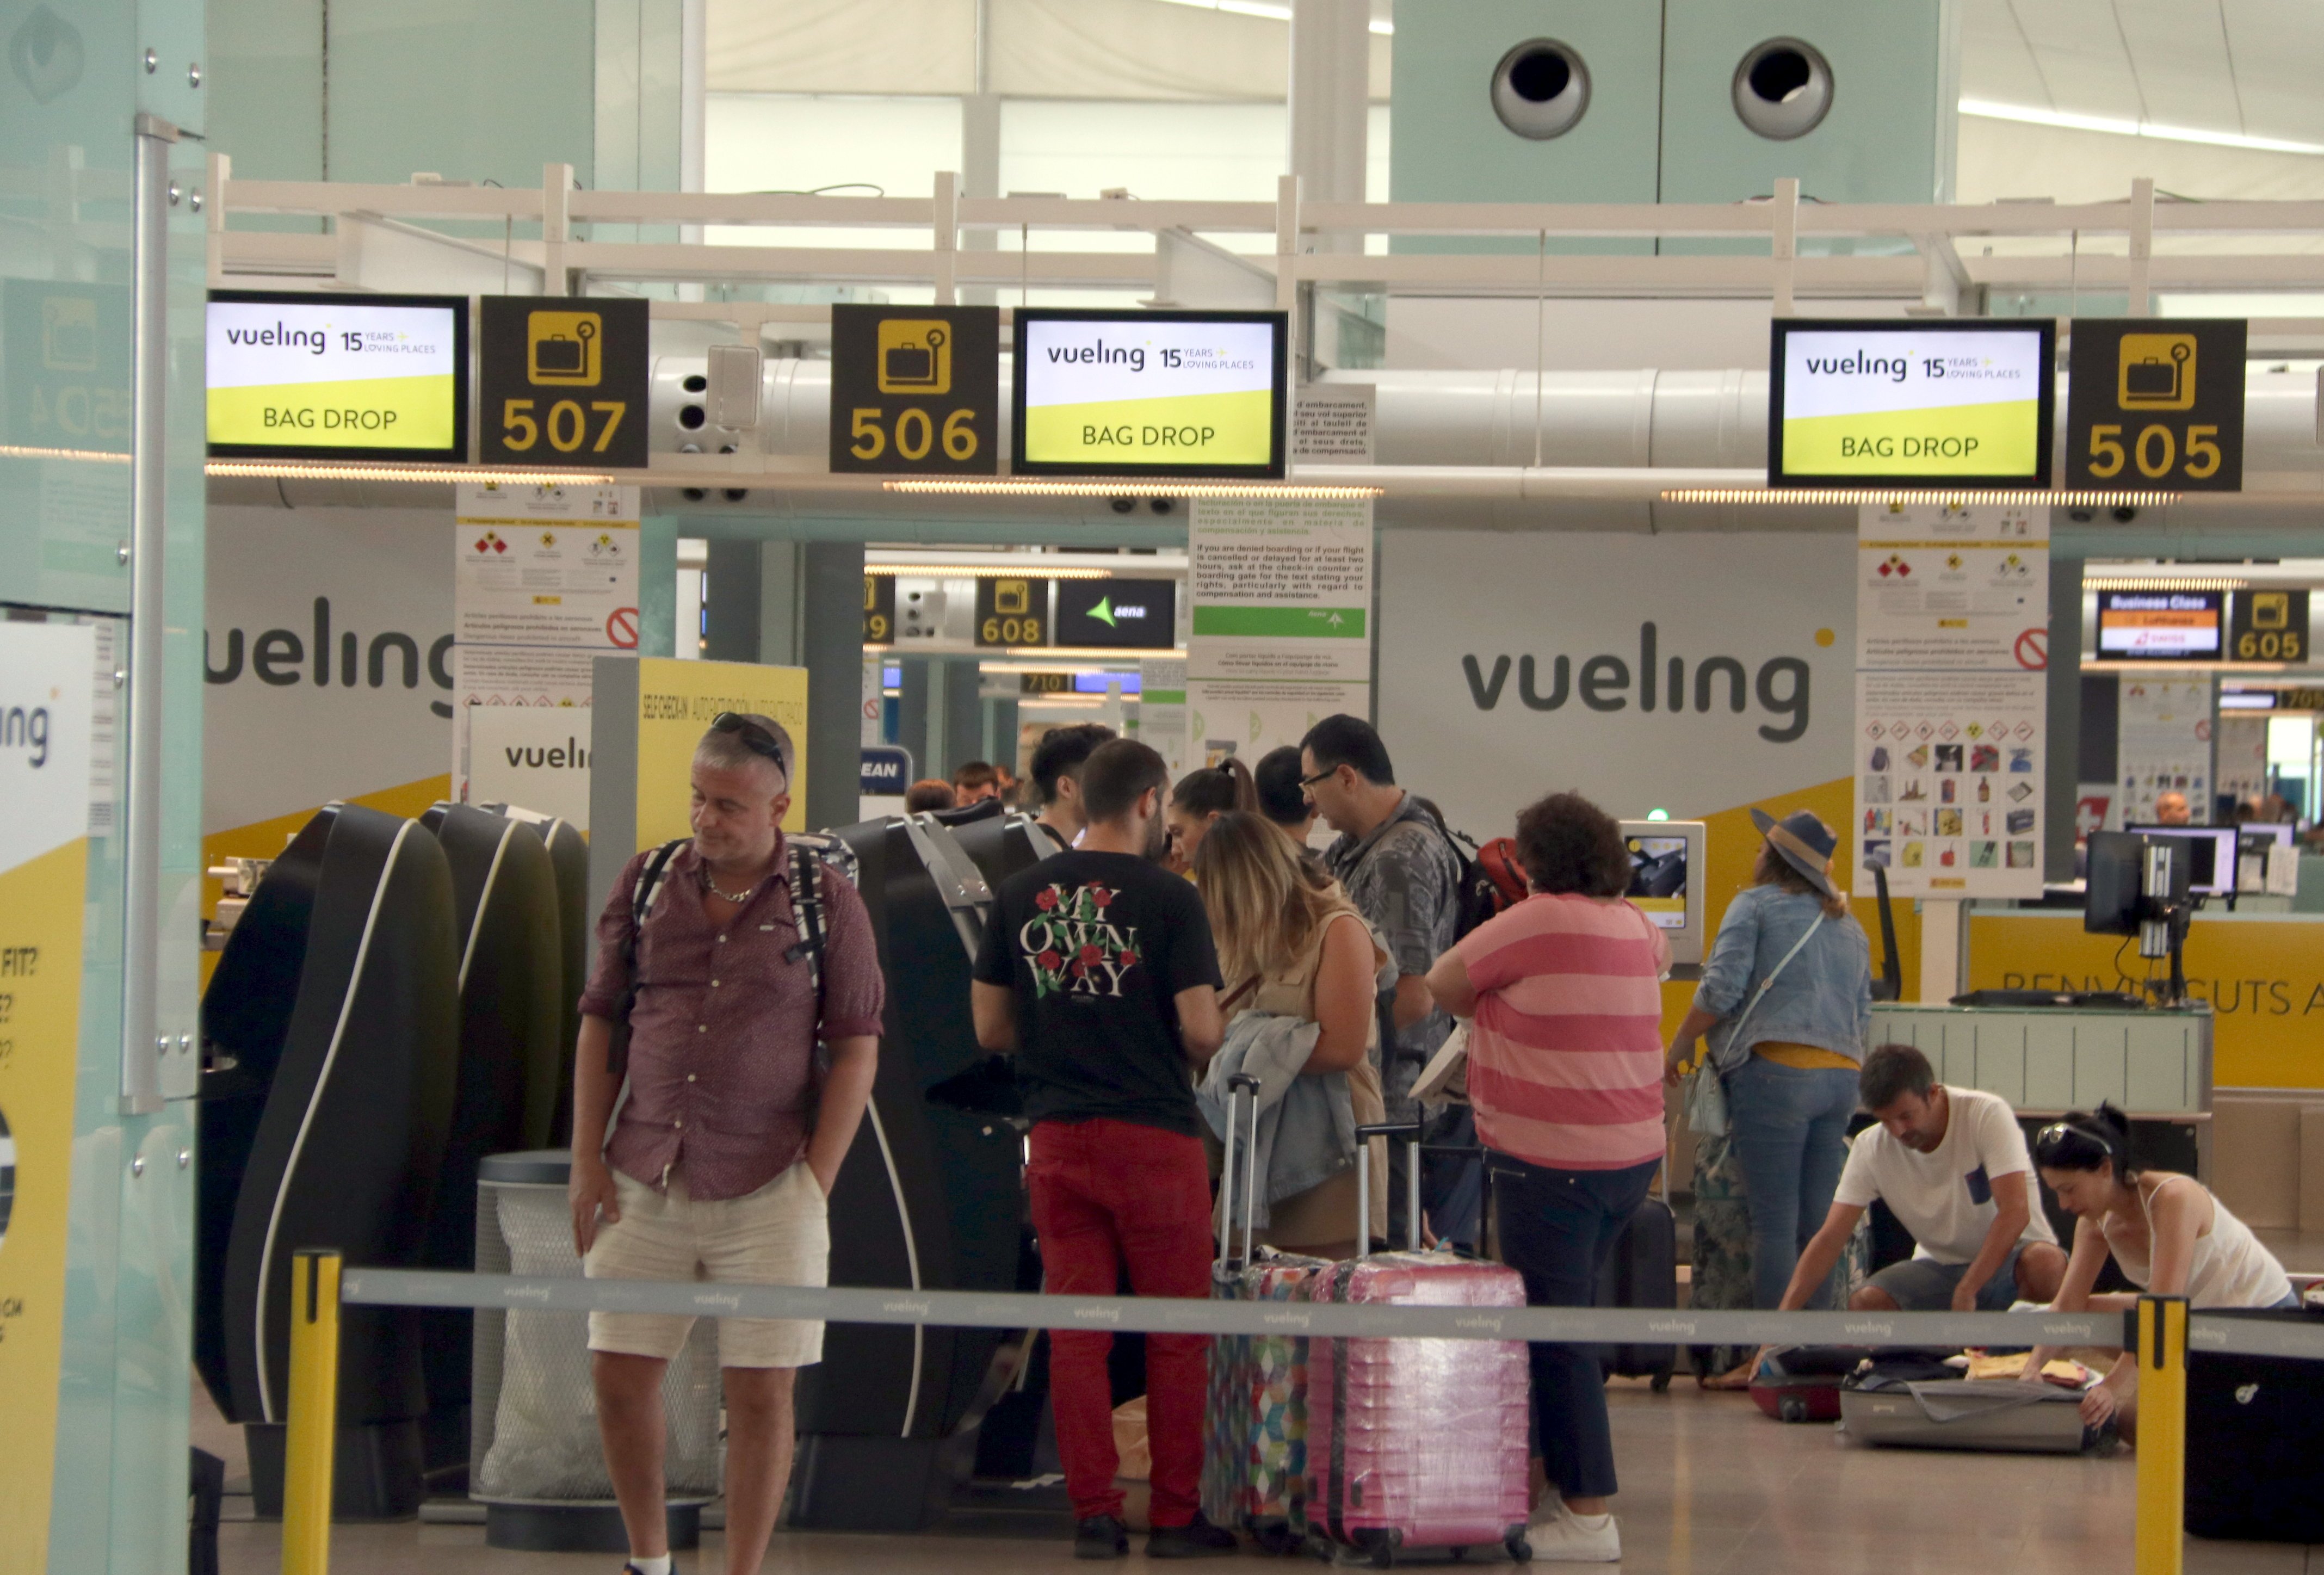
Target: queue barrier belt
1166	1315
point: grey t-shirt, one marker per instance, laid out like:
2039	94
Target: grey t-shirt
1405	880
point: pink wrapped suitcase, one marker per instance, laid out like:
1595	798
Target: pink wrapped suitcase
1417	1443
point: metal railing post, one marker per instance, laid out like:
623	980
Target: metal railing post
947	236
2162	1435
1783	243
313	1428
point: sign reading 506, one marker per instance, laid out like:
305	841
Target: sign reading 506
564	382
916	391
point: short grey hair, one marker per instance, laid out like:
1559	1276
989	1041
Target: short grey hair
728	752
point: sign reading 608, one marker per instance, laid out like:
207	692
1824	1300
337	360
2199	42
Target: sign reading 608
564	382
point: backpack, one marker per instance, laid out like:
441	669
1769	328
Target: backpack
1490	882
812	853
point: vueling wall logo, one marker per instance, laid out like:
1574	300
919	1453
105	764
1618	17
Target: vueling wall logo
1071	947
1606	682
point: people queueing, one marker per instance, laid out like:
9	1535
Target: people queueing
1200	796
1097	973
1396	865
1295	954
1952	1166
974	781
1056	777
1563	991
927	793
1789	979
1281	799
2168	1233
730	1138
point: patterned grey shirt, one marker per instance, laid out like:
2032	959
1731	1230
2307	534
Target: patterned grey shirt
1405	880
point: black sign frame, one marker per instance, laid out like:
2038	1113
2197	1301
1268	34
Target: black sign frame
455	453
1077	627
1012	604
2172	415
1279	416
879	354
530	385
2271	621
879	608
2216	600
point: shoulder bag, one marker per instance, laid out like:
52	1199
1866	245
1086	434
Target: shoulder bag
1706	1095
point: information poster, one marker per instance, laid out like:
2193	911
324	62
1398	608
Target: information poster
2164	745
544	579
1952	644
1281	625
1162	710
44	785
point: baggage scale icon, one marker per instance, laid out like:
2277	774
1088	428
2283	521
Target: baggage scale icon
562	349
2156	372
915	357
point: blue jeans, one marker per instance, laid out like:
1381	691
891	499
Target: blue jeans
1789	1128
1557	1228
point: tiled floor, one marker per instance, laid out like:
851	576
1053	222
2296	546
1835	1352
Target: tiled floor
1710	1487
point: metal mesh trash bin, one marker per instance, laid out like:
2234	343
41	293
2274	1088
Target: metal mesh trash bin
535	1461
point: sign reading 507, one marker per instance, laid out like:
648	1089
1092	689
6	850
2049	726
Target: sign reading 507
563	382
916	391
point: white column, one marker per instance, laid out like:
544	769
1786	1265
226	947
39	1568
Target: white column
1941	949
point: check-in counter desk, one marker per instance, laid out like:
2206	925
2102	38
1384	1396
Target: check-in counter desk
2154	1065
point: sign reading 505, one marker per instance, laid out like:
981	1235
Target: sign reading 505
2156	403
916	391
564	382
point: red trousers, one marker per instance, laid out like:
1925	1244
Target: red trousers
1109	1195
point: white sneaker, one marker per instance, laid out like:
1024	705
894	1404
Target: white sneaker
1560	1536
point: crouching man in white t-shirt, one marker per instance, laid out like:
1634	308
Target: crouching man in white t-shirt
1951	1165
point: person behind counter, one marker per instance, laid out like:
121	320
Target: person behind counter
1097	970
2171	1236
1791	975
1951	1165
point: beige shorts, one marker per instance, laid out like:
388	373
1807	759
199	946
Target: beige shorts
779	1235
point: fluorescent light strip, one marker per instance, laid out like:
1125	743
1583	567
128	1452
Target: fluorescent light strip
272	470
1260	8
964	571
2164	583
86	455
2028	114
1855	497
1128	488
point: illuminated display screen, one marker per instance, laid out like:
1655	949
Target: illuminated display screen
2164	626
1877	403
303	376
1185	394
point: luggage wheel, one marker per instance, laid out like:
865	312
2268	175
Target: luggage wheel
1378	1548
1520	1551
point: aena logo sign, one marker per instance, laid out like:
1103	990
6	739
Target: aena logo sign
1605	682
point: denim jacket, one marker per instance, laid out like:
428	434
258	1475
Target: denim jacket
1306	1125
1824	999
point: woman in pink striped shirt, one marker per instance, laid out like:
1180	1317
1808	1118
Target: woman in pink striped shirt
1564	998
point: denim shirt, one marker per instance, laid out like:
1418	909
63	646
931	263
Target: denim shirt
1824	999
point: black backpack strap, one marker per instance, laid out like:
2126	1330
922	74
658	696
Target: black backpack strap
806	910
642	895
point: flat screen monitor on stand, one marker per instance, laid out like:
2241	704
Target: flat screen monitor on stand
2140	885
1666	882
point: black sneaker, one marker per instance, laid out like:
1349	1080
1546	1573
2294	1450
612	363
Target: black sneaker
1197	1539
1101	1536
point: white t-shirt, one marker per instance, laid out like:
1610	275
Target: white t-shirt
1945	1198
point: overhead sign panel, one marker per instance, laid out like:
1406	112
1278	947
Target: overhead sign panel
1150	393
1874	403
2268	626
563	382
916	390
303	377
2156	403
1011	610
1125	614
2161	626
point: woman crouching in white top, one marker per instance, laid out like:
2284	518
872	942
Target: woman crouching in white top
2171	1236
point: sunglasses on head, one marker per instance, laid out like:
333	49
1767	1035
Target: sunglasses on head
2062	1140
753	737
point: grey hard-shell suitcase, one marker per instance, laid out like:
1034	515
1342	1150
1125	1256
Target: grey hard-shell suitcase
2000	1415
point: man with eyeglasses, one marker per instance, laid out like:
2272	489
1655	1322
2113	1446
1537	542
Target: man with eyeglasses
726	1147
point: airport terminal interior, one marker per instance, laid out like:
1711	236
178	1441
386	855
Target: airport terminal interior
1830	495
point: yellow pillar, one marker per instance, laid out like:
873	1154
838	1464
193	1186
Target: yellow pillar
314	1418
2162	1434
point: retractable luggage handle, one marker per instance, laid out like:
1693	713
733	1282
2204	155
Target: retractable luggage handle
1238	1085
1410	1132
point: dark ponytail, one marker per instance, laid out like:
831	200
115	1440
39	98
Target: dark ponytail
2084	1140
1217	789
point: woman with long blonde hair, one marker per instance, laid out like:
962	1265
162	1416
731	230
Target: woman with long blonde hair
1290	943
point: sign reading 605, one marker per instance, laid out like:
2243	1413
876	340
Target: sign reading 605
914	391
564	382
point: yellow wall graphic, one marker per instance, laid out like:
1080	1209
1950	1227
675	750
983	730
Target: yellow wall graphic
675	702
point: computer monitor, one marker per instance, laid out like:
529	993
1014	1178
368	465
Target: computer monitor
2211	853
2254	840
2112	902
1667	881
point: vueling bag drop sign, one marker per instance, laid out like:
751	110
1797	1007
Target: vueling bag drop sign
1149	393
303	377
1859	404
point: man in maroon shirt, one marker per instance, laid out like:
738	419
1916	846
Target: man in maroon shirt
729	1141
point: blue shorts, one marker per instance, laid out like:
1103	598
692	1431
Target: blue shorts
1922	1284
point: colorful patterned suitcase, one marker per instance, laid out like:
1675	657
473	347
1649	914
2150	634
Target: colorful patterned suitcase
1417	1443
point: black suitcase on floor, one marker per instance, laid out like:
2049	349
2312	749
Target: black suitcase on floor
2256	1442
1642	1273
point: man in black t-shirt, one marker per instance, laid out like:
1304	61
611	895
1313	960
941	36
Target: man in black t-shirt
1097	970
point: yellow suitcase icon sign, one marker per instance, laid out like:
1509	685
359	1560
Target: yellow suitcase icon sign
2157	372
2271	609
563	348
915	357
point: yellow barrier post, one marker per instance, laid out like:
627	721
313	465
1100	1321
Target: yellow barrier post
2162	1434
314	1418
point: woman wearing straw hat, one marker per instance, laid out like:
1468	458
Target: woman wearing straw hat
1786	999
